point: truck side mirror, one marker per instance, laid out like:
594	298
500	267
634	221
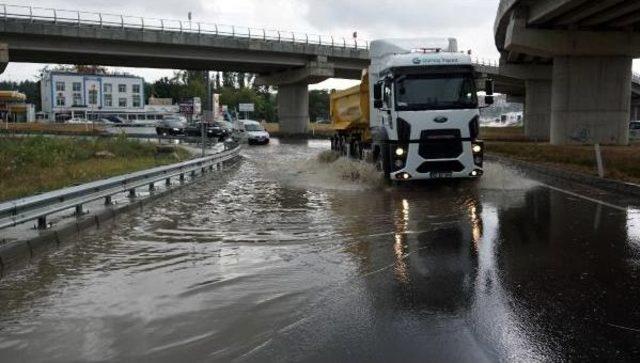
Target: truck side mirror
377	92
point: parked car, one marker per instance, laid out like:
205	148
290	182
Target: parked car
77	121
254	133
171	126
116	119
634	130
213	130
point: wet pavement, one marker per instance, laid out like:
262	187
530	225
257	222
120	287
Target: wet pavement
283	259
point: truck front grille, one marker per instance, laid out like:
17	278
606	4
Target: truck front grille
440	167
440	144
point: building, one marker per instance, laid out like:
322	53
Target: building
14	108
93	97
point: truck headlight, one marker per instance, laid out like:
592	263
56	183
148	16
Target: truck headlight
400	151
477	148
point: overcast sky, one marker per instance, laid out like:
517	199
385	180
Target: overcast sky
471	21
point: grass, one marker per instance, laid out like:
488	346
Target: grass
33	165
503	134
620	162
51	128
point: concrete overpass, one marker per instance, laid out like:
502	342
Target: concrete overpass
575	57
288	60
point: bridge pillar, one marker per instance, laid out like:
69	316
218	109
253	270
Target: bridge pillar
591	99
293	108
537	110
4	57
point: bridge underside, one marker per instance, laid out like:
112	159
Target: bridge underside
588	47
290	66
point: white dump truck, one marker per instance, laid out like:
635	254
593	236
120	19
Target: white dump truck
416	112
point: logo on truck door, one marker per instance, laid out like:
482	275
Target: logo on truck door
440	119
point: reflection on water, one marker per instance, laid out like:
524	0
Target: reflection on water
282	259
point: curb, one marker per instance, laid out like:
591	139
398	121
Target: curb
556	172
18	253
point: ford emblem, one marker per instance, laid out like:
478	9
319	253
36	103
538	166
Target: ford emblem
416	61
440	120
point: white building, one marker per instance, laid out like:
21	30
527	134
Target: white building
69	95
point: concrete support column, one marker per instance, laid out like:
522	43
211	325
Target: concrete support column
591	99
537	110
4	56
293	108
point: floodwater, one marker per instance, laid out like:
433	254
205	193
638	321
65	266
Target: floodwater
284	259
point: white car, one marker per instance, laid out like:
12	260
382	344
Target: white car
254	133
77	121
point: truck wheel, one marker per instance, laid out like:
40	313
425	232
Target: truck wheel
383	163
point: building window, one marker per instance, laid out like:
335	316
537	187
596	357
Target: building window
60	100
77	99
122	102
136	101
60	86
77	86
93	97
136	88
108	101
108	88
122	88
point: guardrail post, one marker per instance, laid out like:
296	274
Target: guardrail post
233	31
122	21
142	22
162	25
100	15
264	35
199	28
193	173
182	177
167	182
293	37
344	43
132	193
42	222
5	10
279	38
79	210
152	187
307	39
55	16
332	42
30	14
216	27
107	200
180	26
79	20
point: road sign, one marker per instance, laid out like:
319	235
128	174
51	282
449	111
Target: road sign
246	107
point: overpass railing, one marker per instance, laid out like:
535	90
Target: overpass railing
81	18
40	206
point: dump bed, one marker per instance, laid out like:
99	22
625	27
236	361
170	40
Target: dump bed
350	108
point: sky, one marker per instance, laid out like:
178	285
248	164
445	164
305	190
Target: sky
470	21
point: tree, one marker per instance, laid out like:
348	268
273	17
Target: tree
30	88
318	105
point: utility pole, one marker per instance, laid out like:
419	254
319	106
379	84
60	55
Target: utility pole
207	112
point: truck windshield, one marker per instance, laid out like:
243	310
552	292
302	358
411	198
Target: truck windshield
421	92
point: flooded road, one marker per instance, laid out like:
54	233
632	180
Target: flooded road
285	259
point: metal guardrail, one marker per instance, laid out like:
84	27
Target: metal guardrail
486	62
40	206
81	18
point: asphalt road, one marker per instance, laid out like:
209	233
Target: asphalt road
283	259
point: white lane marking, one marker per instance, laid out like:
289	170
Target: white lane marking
593	200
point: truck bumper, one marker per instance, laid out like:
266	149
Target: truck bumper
413	166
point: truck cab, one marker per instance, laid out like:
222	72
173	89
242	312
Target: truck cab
424	111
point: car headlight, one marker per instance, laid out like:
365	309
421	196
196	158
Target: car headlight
400	151
176	129
477	149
